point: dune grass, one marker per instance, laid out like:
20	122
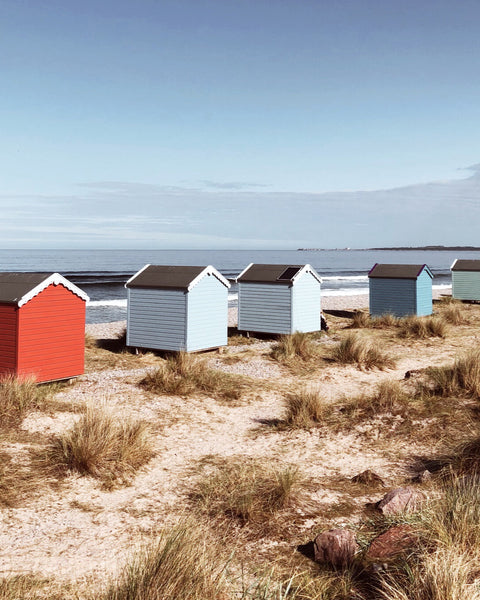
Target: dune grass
184	374
17	397
181	565
248	490
305	408
362	320
415	327
28	587
389	397
462	378
454	315
439	575
103	445
297	346
354	349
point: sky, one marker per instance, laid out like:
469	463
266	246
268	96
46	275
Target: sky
239	123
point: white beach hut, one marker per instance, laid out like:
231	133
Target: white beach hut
177	308
279	299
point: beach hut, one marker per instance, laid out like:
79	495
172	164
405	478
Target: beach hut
400	290
42	326
279	299
466	279
177	308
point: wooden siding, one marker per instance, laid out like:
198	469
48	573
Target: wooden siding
156	319
207	314
466	285
392	296
264	307
51	335
8	338
306	304
424	294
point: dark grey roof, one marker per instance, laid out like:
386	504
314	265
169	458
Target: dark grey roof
466	265
164	276
388	271
269	273
14	286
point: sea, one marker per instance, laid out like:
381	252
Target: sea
102	274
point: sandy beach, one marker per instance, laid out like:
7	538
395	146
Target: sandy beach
73	529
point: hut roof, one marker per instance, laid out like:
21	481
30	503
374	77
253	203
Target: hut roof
172	276
466	265
392	271
19	288
281	274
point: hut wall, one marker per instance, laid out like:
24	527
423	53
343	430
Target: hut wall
264	307
424	294
8	338
466	285
207	314
51	335
156	319
306	304
392	296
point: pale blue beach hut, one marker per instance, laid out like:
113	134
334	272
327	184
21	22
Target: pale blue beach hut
279	299
177	308
466	279
400	290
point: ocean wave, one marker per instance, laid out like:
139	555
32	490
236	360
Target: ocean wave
346	292
118	303
345	277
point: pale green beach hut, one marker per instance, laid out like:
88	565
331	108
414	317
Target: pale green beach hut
466	279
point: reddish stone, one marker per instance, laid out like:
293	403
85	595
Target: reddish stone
400	500
336	547
394	541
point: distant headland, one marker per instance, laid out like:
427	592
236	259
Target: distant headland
446	248
454	248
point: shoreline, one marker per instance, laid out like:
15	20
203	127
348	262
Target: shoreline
112	329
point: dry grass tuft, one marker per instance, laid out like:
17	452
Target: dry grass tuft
305	408
360	320
463	378
445	566
422	327
184	374
385	321
466	459
27	587
353	349
389	397
17	397
297	346
446	574
182	565
103	445
454	315
248	490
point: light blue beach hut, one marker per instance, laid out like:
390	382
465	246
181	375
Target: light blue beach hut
400	290
466	279
177	308
279	299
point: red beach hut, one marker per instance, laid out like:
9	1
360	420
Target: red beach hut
42	326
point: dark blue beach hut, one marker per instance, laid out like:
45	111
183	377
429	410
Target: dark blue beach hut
280	299
400	290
